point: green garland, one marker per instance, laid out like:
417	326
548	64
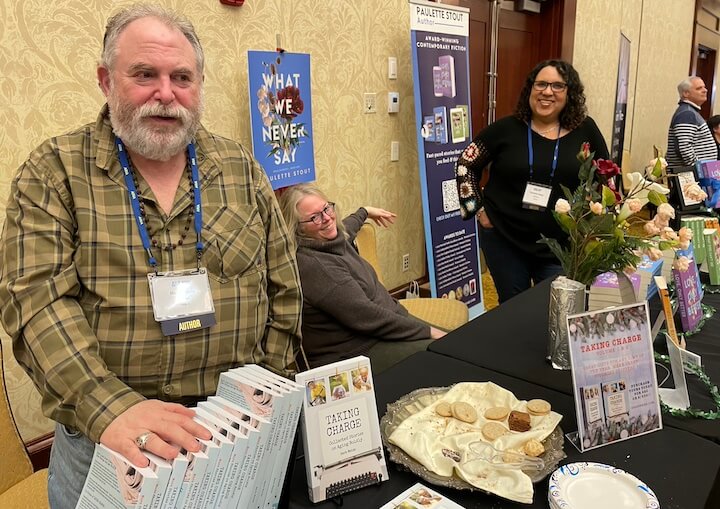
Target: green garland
693	412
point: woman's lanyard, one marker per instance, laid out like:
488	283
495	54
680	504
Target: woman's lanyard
135	201
531	155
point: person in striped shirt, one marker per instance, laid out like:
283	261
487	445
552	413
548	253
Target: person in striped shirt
689	138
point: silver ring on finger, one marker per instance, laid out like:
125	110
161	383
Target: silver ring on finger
142	440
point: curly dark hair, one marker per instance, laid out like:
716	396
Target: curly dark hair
574	111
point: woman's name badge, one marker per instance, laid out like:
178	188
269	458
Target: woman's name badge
182	300
536	196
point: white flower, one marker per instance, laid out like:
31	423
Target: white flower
654	253
665	211
640	187
562	206
682	264
668	234
694	192
461	170
634	204
595	207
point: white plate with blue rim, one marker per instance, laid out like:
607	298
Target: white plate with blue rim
588	485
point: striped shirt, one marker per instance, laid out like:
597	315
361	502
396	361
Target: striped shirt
689	138
74	289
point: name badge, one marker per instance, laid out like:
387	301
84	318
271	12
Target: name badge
182	300
536	196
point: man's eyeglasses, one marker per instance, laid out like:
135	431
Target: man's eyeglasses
555	86
317	218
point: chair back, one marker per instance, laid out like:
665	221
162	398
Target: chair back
366	243
15	465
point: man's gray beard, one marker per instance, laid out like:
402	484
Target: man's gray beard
154	143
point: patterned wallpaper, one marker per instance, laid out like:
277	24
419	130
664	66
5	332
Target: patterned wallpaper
660	41
49	50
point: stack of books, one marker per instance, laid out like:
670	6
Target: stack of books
648	269
612	289
252	419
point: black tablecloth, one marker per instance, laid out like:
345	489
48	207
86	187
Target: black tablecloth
667	460
512	339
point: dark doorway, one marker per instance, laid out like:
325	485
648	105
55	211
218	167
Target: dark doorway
705	69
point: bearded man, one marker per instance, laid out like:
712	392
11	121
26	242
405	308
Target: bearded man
141	257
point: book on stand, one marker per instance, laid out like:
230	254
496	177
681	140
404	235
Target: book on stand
689	291
341	429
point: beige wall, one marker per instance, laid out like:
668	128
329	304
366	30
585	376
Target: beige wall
48	52
660	34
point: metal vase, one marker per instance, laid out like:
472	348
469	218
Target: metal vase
567	297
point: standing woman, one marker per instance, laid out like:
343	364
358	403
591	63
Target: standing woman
529	155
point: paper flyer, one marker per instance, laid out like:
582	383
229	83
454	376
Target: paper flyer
419	496
281	116
613	371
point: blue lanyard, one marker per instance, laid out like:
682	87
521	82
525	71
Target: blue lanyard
135	201
531	154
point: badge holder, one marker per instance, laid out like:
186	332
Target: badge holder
182	300
536	196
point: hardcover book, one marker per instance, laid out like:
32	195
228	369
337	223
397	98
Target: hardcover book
113	481
340	429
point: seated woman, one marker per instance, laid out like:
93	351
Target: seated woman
346	310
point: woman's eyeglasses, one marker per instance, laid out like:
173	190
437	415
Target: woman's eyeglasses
555	86
317	218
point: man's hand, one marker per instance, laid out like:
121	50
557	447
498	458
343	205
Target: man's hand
171	426
381	217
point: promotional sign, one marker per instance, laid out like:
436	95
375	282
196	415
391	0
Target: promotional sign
439	36
281	116
613	370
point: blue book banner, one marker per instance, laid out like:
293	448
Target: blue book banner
439	38
281	116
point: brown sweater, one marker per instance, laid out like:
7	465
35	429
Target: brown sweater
346	310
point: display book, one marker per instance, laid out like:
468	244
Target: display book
688	290
341	429
709	177
243	464
612	289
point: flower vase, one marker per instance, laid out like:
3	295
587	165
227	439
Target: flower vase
567	297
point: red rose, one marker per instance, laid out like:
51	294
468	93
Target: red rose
292	108
584	153
607	168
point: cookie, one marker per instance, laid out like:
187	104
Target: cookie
519	421
538	407
493	430
533	448
464	411
497	413
443	408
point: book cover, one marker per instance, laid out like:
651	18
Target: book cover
428	128
162	469
613	373
709	171
340	429
648	269
197	488
288	406
113	481
457	125
197	464
447	75
215	474
238	495
437	81
441	132
251	397
697	225
419	496
712	254
689	298
466	119
239	441
177	474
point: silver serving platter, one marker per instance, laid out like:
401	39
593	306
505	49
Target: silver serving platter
418	400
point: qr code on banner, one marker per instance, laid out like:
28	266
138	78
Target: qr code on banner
450	196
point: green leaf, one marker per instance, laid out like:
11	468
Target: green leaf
608	196
566	222
656	198
657	169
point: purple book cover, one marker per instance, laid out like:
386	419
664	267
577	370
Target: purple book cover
689	299
447	66
709	169
610	280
